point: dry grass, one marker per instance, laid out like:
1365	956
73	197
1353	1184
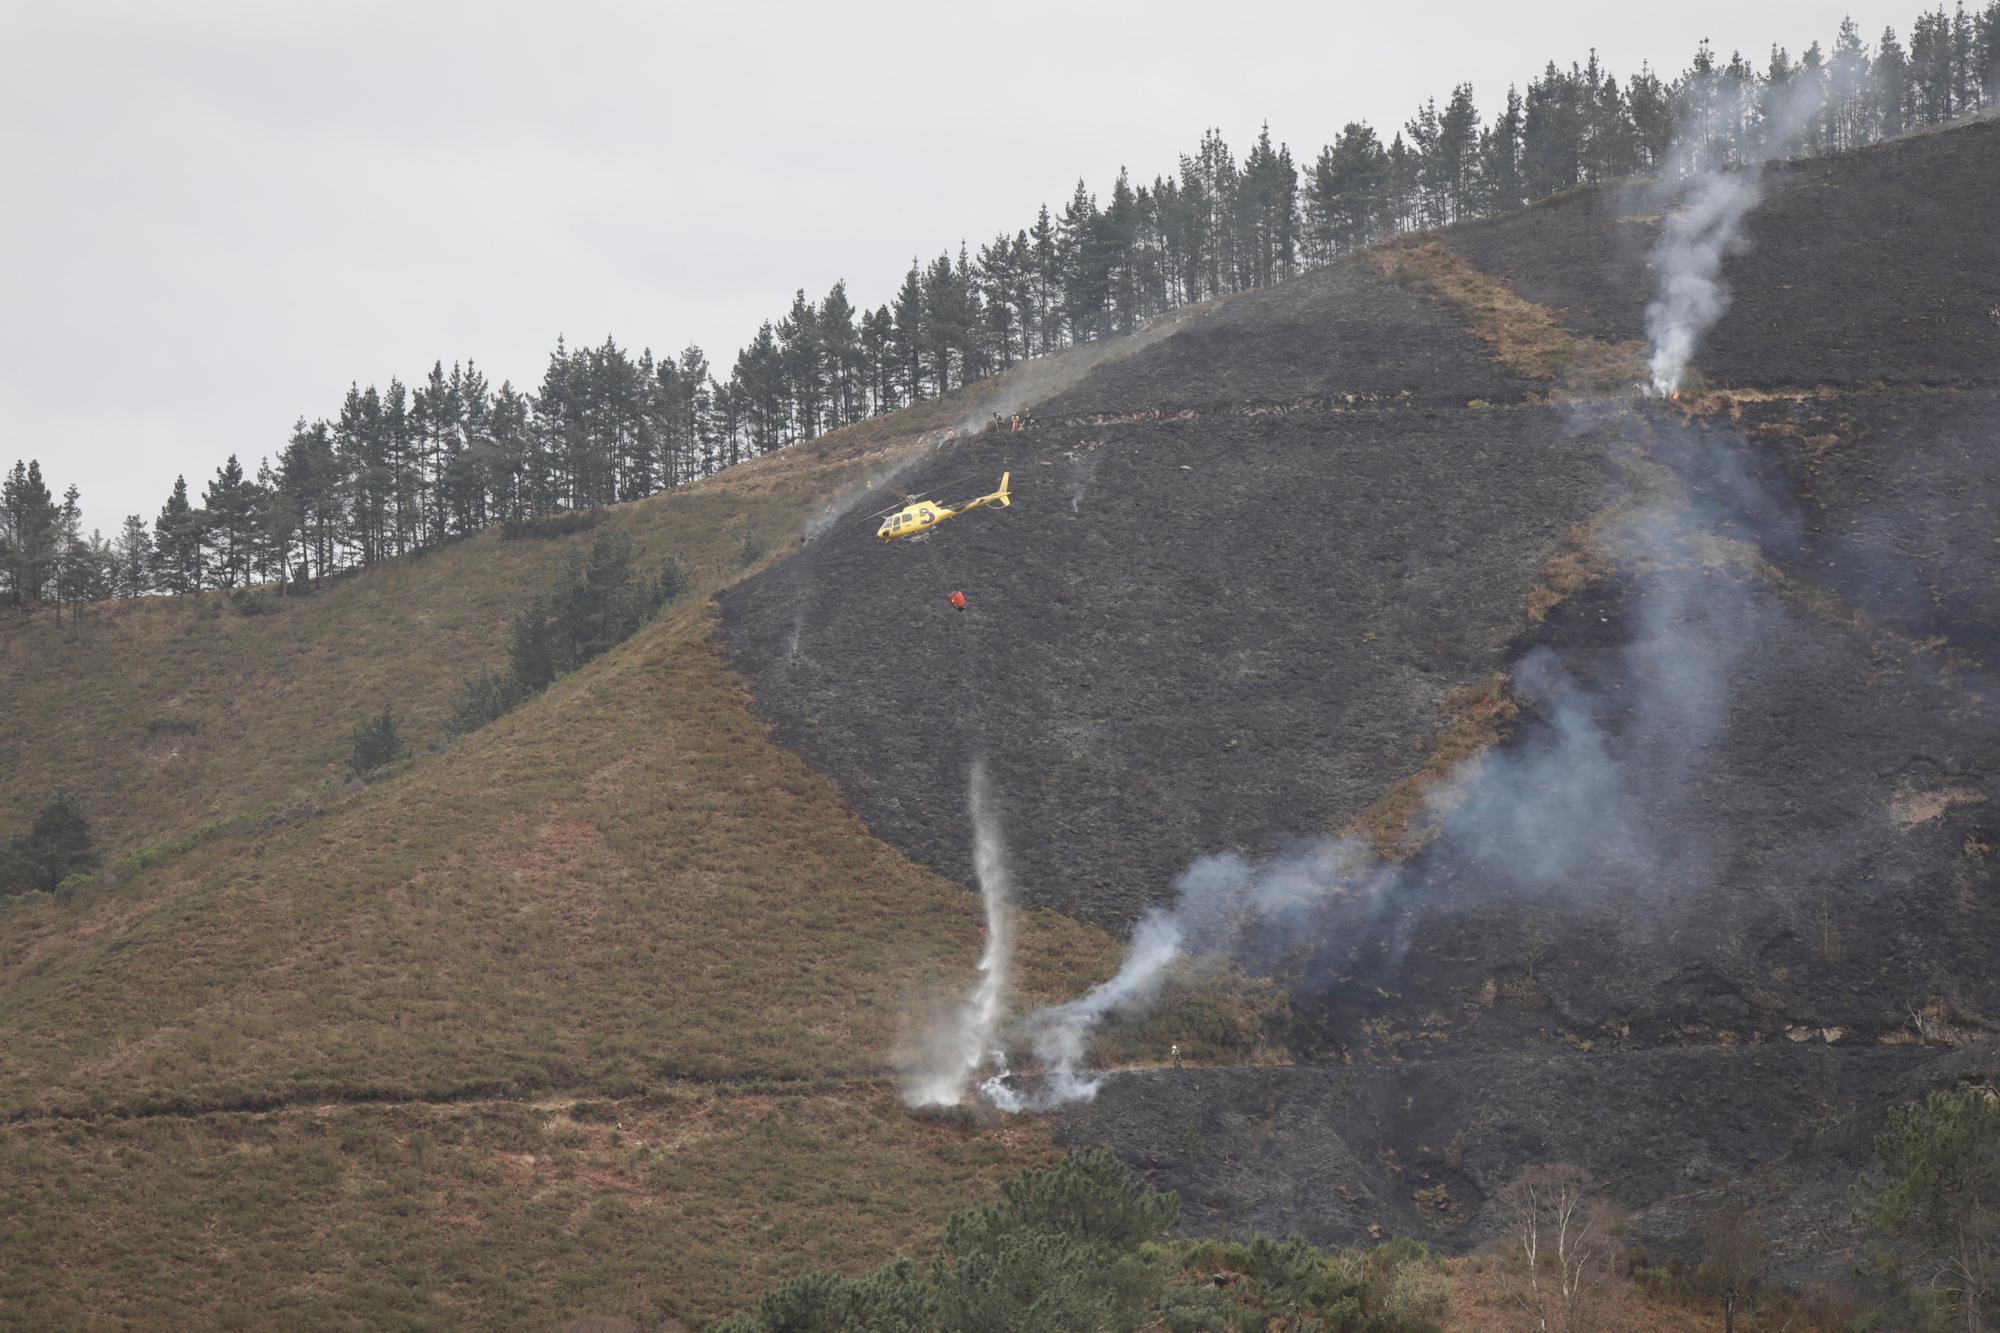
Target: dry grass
622	886
497	1214
623	889
1580	562
624	882
1482	1299
1476	717
164	714
1528	339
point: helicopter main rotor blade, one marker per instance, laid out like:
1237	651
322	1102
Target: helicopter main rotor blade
912	499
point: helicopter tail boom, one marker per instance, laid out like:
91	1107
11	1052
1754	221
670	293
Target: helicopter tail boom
999	497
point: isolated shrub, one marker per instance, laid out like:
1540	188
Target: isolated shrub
376	743
1092	1199
1073	1247
1286	1276
56	846
1418	1297
998	1274
600	603
673	583
486	696
552	526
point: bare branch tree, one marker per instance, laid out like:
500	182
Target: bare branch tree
1561	1241
1735	1258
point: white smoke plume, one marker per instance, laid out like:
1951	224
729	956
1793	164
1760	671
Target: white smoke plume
1708	229
1568	814
871	485
954	1056
1689	256
1061	1033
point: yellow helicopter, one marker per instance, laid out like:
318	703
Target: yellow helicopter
919	517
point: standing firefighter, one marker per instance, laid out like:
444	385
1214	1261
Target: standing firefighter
1177	1055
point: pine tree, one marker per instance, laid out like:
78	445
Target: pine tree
82	572
134	564
275	525
1352	182
1847	111
1266	213
1611	148
309	482
1215	169
908	343
1933	80
1737	103
470	459
998	278
1046	282
1501	185
1809	135
1421	134
1650	106
802	367
971	346
227	536
878	349
404	489
375	743
1086	275
1892	87
943	326
507	420
1399	186
177	543
363	469
29	534
1552	132
840	344
1987	53
433	419
1965	69
1119	238
695	407
1456	169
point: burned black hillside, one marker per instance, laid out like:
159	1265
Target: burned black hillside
1728	887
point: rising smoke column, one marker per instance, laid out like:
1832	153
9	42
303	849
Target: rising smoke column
1560	817
1694	242
954	1055
1689	256
1062	1032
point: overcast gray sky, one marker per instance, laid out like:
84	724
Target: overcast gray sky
216	215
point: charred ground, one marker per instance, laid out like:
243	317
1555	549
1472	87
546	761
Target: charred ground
1879	265
1251	570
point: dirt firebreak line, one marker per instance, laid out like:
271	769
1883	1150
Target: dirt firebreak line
1698	402
511	1092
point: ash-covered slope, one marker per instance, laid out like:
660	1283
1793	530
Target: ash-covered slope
1878	265
1338	334
1725	892
1191	634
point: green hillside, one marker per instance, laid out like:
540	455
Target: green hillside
595	1009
